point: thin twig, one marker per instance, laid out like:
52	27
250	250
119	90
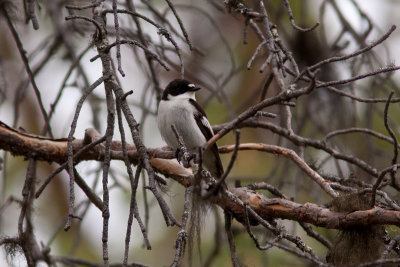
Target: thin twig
395	241
221	180
70	162
106	167
345	57
268	244
266	186
393	136
64	165
95	23
117	37
134	43
30	14
290	12
358	130
88	191
134	181
311	232
358	77
180	24
28	70
180	243
182	148
361	99
393	168
281	97
231	240
93	5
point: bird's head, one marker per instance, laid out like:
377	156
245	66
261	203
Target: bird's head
180	89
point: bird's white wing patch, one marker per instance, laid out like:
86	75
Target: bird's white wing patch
206	123
191	85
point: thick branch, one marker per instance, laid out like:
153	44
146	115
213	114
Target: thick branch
308	212
55	150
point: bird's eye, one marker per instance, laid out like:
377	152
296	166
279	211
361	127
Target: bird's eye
191	85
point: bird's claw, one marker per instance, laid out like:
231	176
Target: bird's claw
184	157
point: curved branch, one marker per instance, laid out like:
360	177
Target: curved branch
303	141
289	154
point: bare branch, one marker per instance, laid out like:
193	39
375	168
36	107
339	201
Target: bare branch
290	154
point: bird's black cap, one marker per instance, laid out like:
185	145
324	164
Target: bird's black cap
178	87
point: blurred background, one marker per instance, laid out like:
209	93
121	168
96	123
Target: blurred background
218	63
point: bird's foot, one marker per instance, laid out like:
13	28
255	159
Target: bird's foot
184	157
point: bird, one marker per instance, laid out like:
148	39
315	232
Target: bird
178	107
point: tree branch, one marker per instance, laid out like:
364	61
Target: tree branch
55	150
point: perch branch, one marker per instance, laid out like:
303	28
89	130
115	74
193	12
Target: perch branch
55	150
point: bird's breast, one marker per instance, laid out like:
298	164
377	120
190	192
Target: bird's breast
179	114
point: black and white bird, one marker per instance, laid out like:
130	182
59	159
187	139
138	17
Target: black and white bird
178	107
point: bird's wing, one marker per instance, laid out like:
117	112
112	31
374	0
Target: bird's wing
205	127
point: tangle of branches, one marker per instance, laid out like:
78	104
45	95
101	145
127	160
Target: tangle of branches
305	116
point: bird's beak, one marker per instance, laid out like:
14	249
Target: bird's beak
194	89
